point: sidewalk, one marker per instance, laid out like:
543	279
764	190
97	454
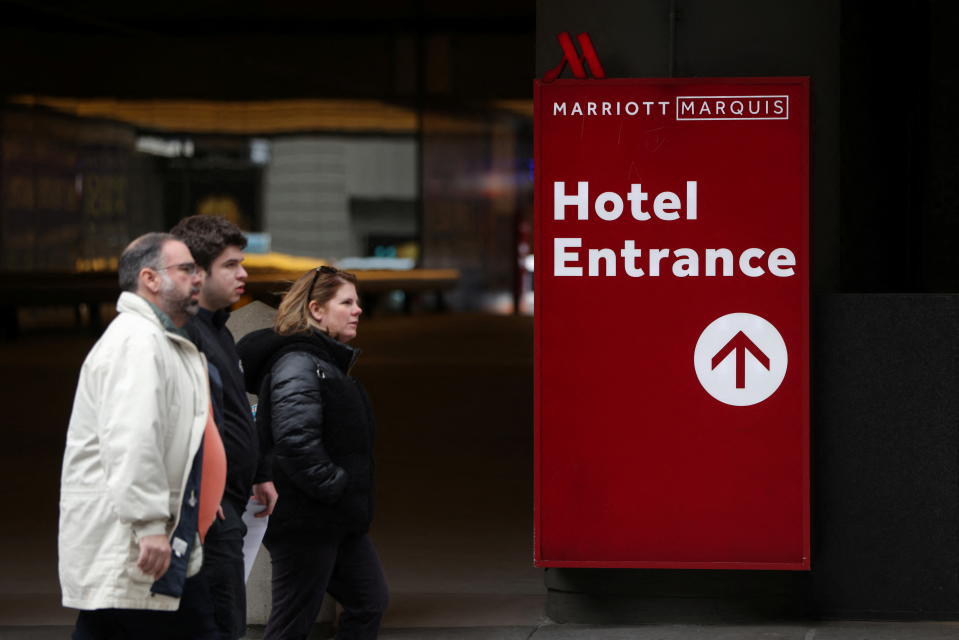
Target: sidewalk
812	631
795	631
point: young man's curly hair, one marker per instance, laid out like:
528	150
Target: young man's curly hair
207	237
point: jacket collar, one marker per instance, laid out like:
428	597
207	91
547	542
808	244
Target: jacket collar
343	355
132	303
216	318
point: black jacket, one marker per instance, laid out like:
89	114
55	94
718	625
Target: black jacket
230	405
318	425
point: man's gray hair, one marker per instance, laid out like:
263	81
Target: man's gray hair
144	252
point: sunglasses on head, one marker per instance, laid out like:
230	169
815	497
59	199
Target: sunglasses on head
316	274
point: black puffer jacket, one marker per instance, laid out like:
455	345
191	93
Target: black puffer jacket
317	422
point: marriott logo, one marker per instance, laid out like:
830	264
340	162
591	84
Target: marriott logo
732	107
682	108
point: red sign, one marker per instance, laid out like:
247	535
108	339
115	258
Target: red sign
672	335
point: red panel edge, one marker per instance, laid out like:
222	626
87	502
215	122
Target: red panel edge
537	333
807	552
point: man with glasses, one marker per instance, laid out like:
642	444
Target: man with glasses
217	246
131	496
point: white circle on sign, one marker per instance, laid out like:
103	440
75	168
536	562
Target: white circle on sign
740	359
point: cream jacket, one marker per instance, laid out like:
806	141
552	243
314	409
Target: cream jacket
138	419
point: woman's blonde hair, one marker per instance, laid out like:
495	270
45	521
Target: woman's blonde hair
319	285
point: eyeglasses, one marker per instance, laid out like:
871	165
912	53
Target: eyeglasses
188	268
316	274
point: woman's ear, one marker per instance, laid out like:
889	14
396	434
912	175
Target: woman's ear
316	311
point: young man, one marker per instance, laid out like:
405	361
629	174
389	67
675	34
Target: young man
217	246
130	469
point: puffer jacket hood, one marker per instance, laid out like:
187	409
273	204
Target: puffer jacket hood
260	349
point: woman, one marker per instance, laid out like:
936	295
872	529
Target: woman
318	422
